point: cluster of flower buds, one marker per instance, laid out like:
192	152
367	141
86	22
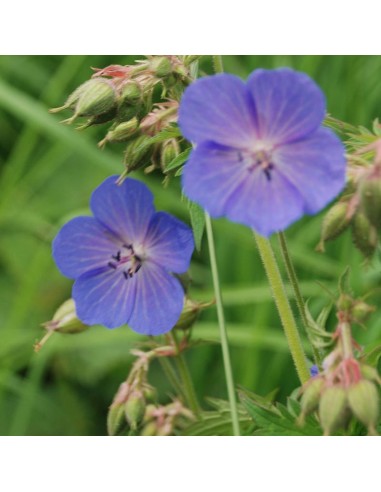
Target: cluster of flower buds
64	321
127	98
346	387
360	206
164	420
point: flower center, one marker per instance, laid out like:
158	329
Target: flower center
126	261
260	159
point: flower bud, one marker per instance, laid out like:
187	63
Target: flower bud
137	154
96	98
131	93
72	100
150	429
344	302
364	235
370	193
161	66
189	59
169	151
190	313
332	406
360	311
121	132
134	409
335	222
65	319
311	396
369	372
364	401
115	418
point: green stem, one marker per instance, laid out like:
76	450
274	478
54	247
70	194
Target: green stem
283	306
171	376
222	327
346	340
188	389
217	64
298	295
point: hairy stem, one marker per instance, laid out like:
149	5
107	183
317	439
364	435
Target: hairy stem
283	306
298	295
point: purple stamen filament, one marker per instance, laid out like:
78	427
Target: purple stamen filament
130	262
260	159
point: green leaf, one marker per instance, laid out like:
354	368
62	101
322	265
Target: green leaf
197	217
171	131
178	160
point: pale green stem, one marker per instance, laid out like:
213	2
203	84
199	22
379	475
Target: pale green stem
298	295
283	306
346	340
222	327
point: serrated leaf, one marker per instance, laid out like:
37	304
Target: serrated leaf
178	160
197	217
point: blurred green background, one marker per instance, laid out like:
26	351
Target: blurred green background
47	173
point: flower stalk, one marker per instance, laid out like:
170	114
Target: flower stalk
283	306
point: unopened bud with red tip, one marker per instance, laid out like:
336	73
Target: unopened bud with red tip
138	153
121	132
364	235
335	222
332	408
363	399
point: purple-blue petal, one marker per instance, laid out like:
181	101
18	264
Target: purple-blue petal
104	297
81	245
125	209
315	166
219	109
216	178
289	105
158	303
169	243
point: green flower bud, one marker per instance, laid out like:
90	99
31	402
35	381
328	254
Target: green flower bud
65	319
150	429
72	100
189	59
369	372
137	154
131	93
121	132
335	222
332	406
370	192
360	311
98	97
161	66
190	313
134	409
364	235
311	396
364	401
115	418
345	302
169	151
99	119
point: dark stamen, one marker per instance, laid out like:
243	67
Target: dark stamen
111	265
117	256
125	275
138	268
267	170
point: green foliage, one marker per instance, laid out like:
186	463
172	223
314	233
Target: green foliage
47	173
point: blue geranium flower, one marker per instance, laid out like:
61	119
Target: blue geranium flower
261	156
122	258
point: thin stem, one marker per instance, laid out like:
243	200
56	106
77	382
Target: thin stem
171	376
217	64
222	327
346	340
298	295
189	390
283	306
